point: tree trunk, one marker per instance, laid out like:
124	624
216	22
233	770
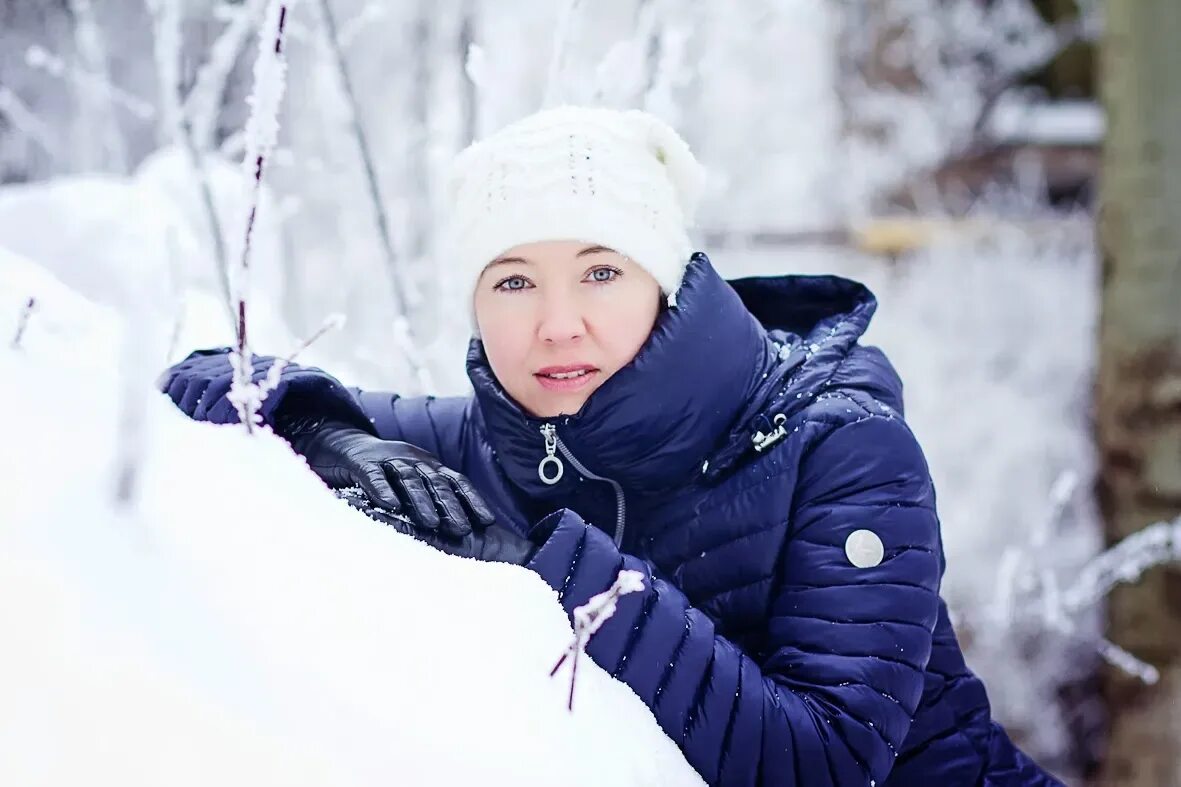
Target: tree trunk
1072	73
1139	381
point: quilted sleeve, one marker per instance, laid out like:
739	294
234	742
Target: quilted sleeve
435	424
849	629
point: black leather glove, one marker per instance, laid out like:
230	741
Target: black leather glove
494	543
398	477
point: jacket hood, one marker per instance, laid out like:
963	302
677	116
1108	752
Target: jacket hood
715	370
815	324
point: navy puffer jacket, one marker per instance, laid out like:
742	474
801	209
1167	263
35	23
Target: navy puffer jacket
753	462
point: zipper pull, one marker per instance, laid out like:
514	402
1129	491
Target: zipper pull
553	474
762	441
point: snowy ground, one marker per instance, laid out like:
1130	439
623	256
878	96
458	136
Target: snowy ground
237	624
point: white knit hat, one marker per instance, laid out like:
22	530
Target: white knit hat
623	179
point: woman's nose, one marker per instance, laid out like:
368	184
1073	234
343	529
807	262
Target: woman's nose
561	320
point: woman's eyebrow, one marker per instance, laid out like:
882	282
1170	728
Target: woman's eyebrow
593	250
507	260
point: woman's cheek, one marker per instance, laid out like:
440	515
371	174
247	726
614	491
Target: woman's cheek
507	343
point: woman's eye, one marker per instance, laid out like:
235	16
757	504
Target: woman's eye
512	284
604	274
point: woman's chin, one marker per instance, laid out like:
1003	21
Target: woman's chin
551	405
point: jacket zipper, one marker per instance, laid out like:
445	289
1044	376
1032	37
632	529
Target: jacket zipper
551	469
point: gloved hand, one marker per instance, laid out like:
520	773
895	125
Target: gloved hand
200	385
494	543
398	477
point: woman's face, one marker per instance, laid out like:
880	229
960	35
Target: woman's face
560	317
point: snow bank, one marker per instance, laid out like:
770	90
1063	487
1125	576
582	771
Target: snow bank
239	625
143	243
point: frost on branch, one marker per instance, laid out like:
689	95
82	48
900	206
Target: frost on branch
42	59
404	295
1030	593
271	381
262	131
591	616
203	103
255	393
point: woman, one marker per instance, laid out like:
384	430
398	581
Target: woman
732	441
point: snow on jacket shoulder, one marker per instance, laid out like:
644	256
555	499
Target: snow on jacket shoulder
753	462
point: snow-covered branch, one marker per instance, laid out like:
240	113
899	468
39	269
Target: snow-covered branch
402	289
262	132
203	103
333	322
1029	593
591	616
1158	544
175	127
22	321
24	121
555	84
90	49
40	58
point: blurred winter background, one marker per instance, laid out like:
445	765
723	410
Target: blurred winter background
945	152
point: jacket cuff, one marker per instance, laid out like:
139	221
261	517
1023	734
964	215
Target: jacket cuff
576	559
307	398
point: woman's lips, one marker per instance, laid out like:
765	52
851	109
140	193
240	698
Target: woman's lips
570	379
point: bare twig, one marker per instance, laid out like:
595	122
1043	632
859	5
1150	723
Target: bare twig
400	285
221	259
24	121
166	45
1156	545
92	51
333	322
591	616
41	58
262	130
1121	659
1028	589
136	368
563	34
175	126
22	321
275	372
203	103
365	19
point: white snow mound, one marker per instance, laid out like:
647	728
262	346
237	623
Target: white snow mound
237	624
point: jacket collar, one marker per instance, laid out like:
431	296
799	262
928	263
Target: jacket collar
651	425
716	370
